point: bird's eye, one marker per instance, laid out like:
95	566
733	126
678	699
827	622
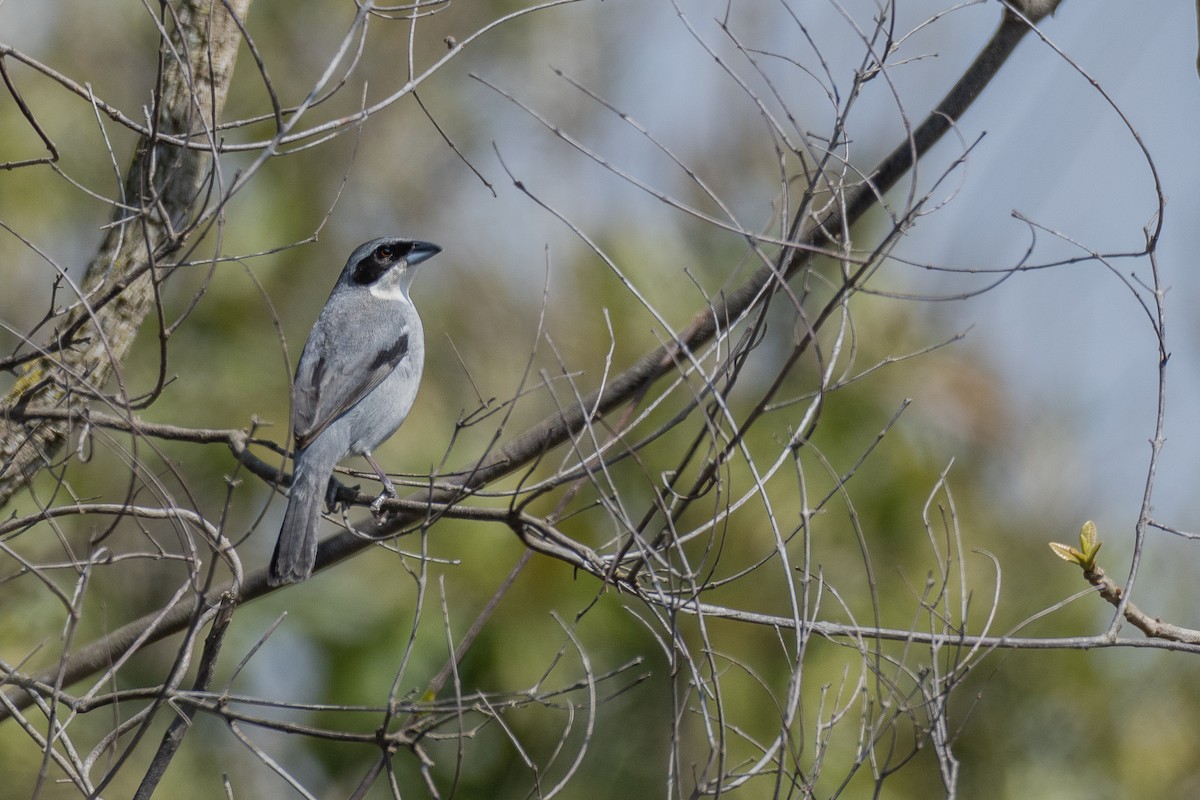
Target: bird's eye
384	252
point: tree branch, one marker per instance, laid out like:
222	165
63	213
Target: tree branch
164	188
807	234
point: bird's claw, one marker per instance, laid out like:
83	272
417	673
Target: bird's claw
339	495
377	506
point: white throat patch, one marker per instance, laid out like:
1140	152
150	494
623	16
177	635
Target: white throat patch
393	285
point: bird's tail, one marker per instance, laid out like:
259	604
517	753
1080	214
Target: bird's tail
296	550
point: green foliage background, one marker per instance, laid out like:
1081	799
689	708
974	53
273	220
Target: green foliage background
1029	724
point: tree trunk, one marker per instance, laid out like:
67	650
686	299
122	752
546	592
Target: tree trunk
165	188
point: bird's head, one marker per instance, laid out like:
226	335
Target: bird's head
384	266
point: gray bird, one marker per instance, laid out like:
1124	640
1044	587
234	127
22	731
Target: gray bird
355	383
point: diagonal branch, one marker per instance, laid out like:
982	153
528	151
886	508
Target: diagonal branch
556	429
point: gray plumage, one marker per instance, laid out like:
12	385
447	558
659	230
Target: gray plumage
355	383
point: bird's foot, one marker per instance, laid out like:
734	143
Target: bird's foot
338	495
389	493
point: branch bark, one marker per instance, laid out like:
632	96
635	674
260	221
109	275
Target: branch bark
164	188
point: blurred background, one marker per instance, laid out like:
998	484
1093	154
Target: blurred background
1040	415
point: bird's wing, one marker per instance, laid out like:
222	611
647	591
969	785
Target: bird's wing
331	380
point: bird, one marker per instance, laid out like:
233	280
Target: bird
355	383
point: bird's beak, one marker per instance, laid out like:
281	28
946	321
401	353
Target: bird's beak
422	251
